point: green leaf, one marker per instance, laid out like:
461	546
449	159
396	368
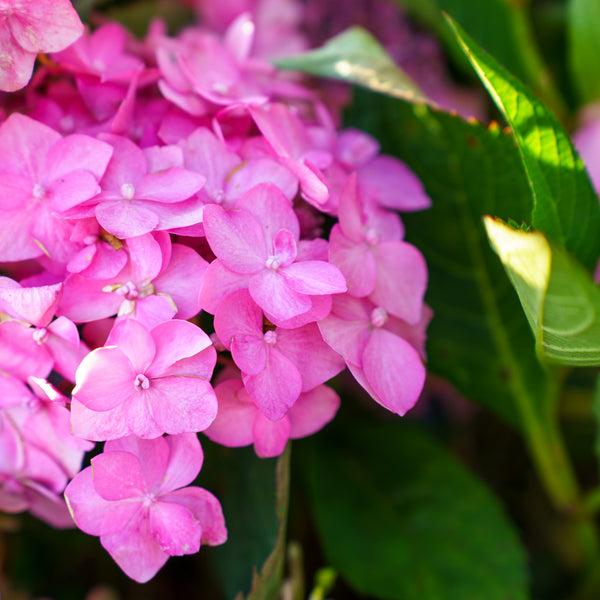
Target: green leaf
561	302
479	337
565	205
500	26
402	520
355	56
254	495
584	47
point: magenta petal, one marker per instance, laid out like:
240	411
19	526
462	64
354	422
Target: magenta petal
270	437
218	283
394	370
105	378
175	529
19	62
269	289
312	411
135	550
185	462
350	210
92	513
236	238
181	404
78	153
284	246
118	476
206	509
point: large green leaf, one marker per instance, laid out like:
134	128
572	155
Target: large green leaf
565	205
402	520
584	47
479	338
355	56
500	26
254	495
561	302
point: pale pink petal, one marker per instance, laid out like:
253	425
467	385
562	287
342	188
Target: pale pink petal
145	257
118	476
105	378
284	247
261	170
20	354
175	529
149	311
99	426
270	437
35	305
17	63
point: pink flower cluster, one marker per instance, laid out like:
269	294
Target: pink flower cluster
145	185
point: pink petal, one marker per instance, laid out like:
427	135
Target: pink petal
314	277
118	476
270	290
232	426
136	342
17	64
276	388
135	550
356	262
105	378
185	462
401	280
170	186
126	218
218	283
45	25
92	513
236	238
78	152
271	209
312	411
206	509
99	426
181	404
176	340
350	211
175	529
315	360
270	437
394	371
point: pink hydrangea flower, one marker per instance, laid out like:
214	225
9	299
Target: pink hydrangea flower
134	496
145	383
